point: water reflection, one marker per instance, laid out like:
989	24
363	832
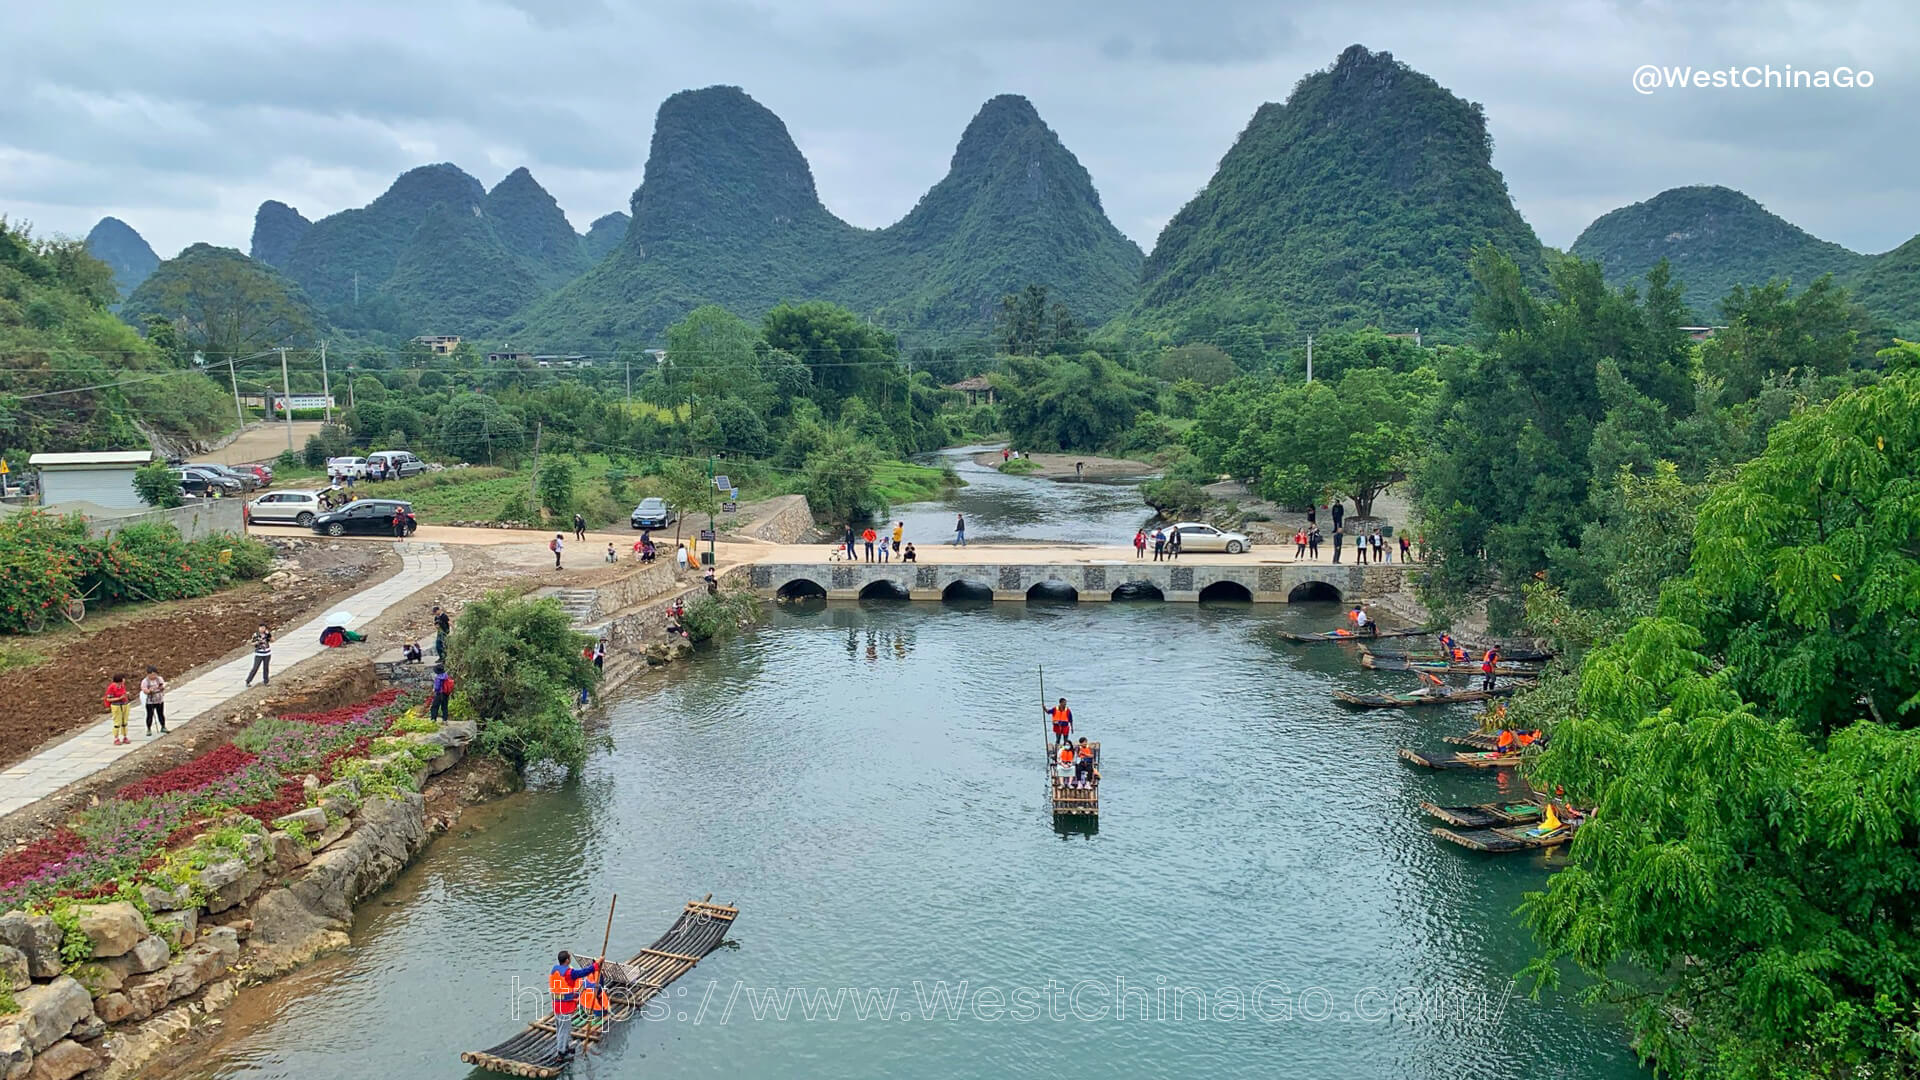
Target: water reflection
1011	508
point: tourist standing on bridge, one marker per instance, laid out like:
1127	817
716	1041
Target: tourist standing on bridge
1299	544
563	984
899	533
1173	543
1139	543
959	530
1159	544
1339	538
1062	718
883	549
868	537
1313	542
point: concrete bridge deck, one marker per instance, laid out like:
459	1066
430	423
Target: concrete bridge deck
1023	572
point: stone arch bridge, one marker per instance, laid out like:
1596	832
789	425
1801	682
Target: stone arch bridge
1074	577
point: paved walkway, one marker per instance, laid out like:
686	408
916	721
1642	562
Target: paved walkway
91	750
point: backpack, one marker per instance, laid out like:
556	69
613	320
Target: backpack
553	545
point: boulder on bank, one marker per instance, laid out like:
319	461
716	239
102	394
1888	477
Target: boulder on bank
312	819
228	882
178	927
13	971
113	928
49	1011
37	937
63	1060
150	954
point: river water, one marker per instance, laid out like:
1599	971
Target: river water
865	781
1023	508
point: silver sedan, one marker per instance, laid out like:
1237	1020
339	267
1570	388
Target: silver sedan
292	507
1195	536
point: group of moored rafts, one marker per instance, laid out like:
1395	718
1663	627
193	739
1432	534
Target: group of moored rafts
1497	827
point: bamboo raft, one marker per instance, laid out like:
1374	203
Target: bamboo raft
1353	638
1441	667
1471	759
1517	656
698	931
1070	801
1412	699
1486	815
1504	840
1473	740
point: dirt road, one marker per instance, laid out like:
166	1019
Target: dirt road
263	443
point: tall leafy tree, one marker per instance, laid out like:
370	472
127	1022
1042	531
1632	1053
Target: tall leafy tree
1770	332
1080	403
844	352
1028	324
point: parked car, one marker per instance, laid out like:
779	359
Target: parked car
1195	536
652	514
394	465
343	467
205	483
264	473
246	479
373	517
298	507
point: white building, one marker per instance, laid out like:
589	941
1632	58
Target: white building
104	478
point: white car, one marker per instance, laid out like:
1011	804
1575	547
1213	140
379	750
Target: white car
292	507
343	467
394	464
1195	536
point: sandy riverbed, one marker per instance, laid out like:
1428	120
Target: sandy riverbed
1060	466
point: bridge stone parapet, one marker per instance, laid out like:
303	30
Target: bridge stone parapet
1188	580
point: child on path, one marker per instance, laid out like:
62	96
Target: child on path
153	691
116	700
611	557
556	545
262	657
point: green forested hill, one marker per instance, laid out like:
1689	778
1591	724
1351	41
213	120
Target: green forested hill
531	225
125	252
359	248
1714	238
604	235
56	334
277	229
1356	203
1888	286
727	213
223	303
454	275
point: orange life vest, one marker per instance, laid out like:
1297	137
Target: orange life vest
1062	718
1086	751
1506	740
564	989
592	997
1066	755
1459	655
1487	661
1527	738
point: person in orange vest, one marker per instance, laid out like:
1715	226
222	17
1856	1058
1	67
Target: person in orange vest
563	986
1062	723
593	1002
1488	663
1085	772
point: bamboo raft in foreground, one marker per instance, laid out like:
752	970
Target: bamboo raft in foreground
1068	800
698	931
1486	815
1415	698
1502	841
1471	759
1354	638
1516	656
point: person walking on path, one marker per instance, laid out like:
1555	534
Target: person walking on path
1139	543
1062	718
116	700
153	691
579	528
1299	544
262	657
959	531
442	693
1339	538
680	559
442	626
556	545
1406	549
399	524
868	537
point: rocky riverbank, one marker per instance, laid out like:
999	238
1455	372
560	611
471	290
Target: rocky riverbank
1061	466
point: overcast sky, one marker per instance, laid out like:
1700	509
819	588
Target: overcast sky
181	117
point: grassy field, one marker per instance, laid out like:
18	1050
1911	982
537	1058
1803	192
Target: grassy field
898	482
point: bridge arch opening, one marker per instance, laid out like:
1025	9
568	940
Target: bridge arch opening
1313	592
967	592
1138	590
1053	592
1231	592
885	589
801	589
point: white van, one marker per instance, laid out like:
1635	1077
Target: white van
394	465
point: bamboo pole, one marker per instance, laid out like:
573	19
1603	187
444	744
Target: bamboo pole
1046	729
608	937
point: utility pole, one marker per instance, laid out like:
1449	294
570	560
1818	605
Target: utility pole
286	399
1309	357
234	380
713	493
356	288
629	380
326	386
350	386
533	480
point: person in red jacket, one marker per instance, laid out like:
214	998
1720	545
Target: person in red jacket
116	701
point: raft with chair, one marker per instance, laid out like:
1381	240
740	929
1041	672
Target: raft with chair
1501	841
1486	815
1068	800
1460	759
1355	638
1413	698
1518	656
1444	667
699	930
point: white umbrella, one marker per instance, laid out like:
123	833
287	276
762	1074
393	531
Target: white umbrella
340	618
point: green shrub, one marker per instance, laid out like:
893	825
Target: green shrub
287	462
1019	466
519	667
720	616
157	485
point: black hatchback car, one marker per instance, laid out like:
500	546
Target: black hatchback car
373	517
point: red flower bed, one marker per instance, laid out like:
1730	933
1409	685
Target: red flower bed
56	847
292	796
216	764
346	713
